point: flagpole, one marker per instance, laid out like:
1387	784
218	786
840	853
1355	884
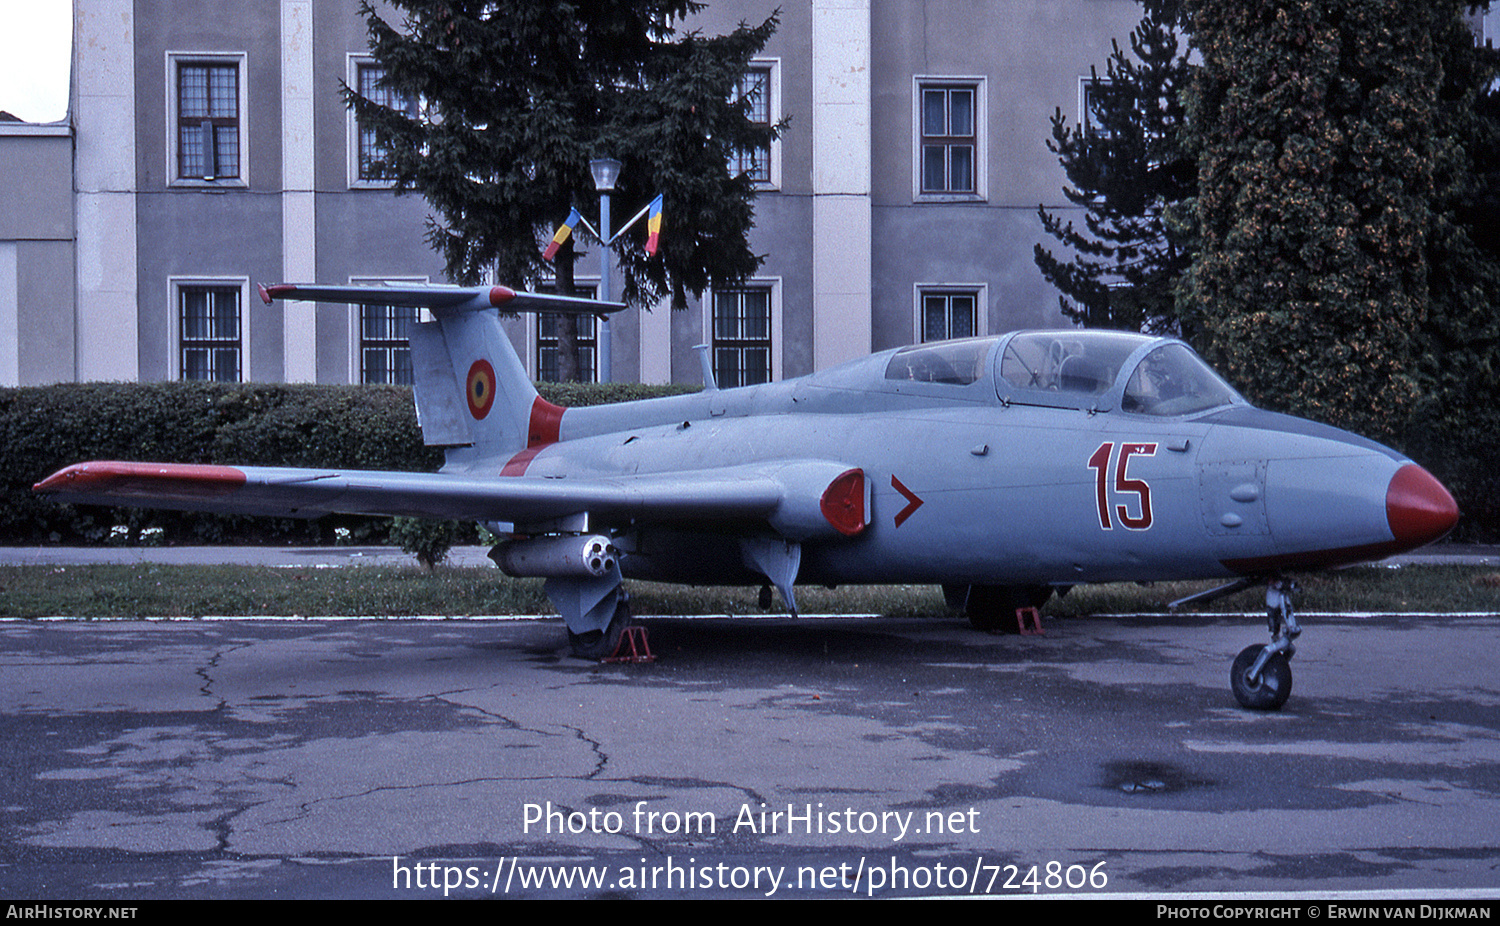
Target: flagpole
605	344
636	218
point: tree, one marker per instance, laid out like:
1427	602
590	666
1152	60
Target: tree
1127	170
517	97
1455	430
1320	146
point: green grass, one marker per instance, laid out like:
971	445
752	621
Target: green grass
193	591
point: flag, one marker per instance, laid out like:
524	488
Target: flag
653	227
563	232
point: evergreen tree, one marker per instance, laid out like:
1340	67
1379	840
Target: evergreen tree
1320	147
517	97
1456	429
1126	169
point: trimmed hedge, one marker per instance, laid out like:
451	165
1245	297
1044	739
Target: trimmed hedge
45	428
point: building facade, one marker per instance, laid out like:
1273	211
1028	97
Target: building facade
211	150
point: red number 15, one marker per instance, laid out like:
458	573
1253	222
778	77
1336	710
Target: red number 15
1124	485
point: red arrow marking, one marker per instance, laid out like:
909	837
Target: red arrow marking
912	502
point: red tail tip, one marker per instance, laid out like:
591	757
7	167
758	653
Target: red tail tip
276	291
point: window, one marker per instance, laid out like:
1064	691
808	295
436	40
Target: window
207	96
947	140
1094	95
742	337
588	338
948	315
369	165
384	355
546	346
758	89
950	140
209	333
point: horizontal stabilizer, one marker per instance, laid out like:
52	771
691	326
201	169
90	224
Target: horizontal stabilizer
439	298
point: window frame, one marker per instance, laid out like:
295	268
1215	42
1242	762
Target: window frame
923	83
356	373
773	340
354	65
921	292
1085	120
176	288
772	69
588	287
175	61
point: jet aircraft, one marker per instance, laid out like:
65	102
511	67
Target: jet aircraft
1001	468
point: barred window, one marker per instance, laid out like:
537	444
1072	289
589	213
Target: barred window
209	333
372	159
546	347
742	337
384	354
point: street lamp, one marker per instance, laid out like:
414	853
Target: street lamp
606	171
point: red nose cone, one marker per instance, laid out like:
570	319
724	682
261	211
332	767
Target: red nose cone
1418	508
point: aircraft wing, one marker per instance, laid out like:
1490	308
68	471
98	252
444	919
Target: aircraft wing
800	499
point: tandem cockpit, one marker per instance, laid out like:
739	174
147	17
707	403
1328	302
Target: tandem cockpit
1094	371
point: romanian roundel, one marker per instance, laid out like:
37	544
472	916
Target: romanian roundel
481	388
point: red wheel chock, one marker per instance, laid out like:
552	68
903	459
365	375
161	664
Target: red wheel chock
632	647
1036	622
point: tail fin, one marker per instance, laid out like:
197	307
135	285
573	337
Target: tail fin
471	389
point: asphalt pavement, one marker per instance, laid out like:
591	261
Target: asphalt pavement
754	758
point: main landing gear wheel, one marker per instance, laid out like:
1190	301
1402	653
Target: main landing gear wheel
600	644
1266	690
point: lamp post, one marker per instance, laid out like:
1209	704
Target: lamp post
606	171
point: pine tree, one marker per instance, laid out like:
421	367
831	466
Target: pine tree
1126	169
517	97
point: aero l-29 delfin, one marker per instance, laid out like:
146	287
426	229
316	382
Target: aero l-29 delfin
1001	468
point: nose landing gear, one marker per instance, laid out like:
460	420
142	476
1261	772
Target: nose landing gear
1261	676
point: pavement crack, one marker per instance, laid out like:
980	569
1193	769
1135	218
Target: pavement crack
205	672
601	758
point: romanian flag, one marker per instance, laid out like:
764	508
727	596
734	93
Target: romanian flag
653	227
563	232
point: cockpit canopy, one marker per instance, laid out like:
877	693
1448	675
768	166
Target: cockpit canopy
1103	370
1089	370
955	363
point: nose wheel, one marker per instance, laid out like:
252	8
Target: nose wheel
1261	677
1265	689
